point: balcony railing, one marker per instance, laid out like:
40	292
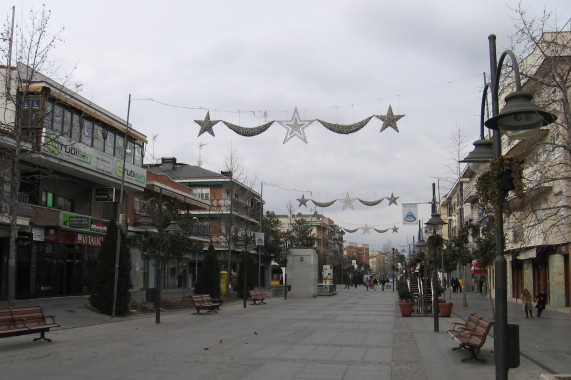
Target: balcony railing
23	209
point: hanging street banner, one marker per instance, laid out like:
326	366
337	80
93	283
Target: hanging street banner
409	213
259	236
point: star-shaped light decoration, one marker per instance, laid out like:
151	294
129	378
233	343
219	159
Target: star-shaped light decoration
302	201
392	199
395	229
366	229
348	202
206	124
295	127
390	120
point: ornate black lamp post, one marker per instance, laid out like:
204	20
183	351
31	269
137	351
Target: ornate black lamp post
435	222
519	119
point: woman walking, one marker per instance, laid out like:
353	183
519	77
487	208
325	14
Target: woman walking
527	303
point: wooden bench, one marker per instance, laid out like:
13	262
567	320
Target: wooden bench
20	320
469	325
204	302
257	296
473	338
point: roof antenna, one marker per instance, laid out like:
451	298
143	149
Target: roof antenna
200	145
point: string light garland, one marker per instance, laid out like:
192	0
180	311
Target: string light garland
295	127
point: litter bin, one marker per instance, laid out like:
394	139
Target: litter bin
513	346
150	295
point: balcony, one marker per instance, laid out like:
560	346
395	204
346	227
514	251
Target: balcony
470	192
23	209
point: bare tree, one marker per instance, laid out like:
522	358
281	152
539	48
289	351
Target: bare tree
456	151
231	225
32	45
543	216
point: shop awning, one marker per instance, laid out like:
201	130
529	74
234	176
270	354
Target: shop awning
477	268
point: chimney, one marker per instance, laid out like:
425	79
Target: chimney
168	163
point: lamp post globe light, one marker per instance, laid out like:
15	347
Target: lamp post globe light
146	222
519	119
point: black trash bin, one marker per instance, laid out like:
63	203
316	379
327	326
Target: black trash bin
150	295
513	346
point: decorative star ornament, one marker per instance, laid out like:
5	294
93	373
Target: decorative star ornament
366	229
390	120
302	201
395	229
348	202
392	199
206	124
295	127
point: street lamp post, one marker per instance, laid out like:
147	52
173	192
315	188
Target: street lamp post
435	222
393	269
173	226
519	119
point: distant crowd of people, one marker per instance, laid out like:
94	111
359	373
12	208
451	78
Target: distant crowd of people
373	282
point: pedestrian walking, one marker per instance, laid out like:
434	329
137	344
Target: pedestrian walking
527	303
541	299
383	282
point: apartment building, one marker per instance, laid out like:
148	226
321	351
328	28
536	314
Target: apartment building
70	154
233	208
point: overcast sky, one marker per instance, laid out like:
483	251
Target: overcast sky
249	62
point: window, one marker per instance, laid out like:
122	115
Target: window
35	112
58	118
25	113
110	143
119	146
66	131
201	193
87	132
98	139
49	199
75	127
48	110
130	152
138	154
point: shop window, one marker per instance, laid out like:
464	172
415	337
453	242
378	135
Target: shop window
119	146
110	143
138	154
66	131
58	118
48	111
130	152
98	138
75	127
87	132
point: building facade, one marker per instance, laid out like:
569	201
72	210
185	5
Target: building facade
70	160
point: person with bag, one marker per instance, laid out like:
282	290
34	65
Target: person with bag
527	303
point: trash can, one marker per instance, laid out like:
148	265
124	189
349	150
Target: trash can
513	346
150	295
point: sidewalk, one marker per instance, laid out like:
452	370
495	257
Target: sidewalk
545	341
353	335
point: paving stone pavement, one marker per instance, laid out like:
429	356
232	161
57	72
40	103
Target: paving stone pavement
356	334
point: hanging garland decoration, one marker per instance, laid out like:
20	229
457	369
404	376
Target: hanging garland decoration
323	204
248	132
367	230
370	203
348	201
347	128
295	127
